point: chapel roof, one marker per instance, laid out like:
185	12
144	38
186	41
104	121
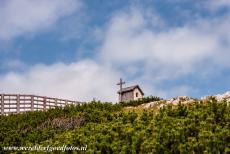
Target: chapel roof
131	88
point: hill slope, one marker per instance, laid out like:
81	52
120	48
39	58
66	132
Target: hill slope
197	127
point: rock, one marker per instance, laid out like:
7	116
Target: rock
161	106
182	99
219	97
148	105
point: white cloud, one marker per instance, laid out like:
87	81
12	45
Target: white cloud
216	4
28	16
167	54
80	81
128	40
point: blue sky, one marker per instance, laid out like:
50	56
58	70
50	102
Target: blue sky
79	49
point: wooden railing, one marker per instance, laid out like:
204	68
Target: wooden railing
16	103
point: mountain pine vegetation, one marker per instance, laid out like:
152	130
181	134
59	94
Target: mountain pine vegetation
198	127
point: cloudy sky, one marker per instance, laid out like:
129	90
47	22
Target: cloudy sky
78	49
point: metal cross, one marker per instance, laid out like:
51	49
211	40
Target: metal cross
120	84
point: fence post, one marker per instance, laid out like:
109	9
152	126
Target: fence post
55	103
66	102
18	103
44	103
2	104
32	103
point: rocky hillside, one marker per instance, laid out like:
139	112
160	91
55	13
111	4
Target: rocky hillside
184	100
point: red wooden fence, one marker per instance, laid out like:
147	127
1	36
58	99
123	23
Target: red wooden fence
16	103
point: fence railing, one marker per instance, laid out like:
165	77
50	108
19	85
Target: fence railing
16	103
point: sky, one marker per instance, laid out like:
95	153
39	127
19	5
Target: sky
78	49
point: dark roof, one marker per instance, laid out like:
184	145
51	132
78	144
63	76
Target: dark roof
127	89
